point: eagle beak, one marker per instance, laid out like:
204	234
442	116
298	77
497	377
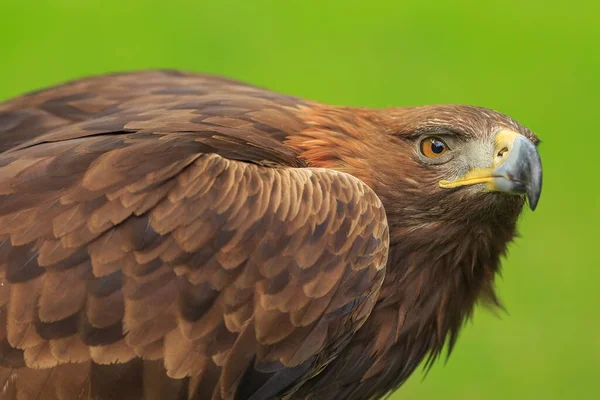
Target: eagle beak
516	169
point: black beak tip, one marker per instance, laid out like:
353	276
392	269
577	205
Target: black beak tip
534	188
533	201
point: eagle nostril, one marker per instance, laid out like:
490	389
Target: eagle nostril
502	153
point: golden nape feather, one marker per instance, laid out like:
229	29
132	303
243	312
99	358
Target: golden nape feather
168	235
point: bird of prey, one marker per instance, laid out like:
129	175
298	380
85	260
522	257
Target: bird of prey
170	235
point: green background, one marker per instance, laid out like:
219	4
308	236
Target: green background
538	61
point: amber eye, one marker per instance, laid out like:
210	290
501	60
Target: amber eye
433	147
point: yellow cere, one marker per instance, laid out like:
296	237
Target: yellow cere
504	142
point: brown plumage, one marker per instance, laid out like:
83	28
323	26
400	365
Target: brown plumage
166	235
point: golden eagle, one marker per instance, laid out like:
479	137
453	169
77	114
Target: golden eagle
168	235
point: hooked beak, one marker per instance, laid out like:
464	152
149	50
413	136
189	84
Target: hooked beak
517	169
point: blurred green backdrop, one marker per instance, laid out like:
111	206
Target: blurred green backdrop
536	60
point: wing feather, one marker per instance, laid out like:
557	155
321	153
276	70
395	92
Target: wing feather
164	244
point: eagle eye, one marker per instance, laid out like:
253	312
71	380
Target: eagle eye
433	147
